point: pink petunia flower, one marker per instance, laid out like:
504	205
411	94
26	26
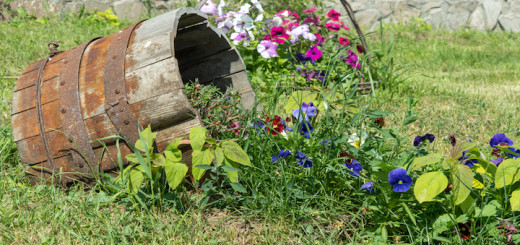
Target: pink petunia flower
344	26
314	53
343	41
353	60
239	37
331	26
311	10
334	15
209	8
312	20
319	38
267	49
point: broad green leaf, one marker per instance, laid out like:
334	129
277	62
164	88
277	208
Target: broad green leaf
173	147
490	210
148	138
197	138
297	98
158	159
175	173
507	173
462	179
238	187
487	166
171	156
468	205
204	157
132	158
443	223
136	179
231	173
515	200
429	185
429	159
235	153
219	156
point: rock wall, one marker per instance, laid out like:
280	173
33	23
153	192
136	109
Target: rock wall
131	10
482	15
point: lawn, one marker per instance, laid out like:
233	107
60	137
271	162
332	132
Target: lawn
464	83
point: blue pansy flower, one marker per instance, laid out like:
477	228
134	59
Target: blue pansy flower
400	180
420	139
497	161
328	142
500	139
305	129
514	156
353	167
369	186
281	154
303	160
302	58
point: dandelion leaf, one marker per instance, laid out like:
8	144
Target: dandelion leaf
507	173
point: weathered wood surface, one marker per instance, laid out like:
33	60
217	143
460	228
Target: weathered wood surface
163	54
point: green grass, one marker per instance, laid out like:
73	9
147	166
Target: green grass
466	83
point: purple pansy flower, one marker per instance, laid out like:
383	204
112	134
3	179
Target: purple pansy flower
369	186
497	161
305	112
514	156
302	58
314	53
281	154
419	139
500	139
400	180
303	160
353	167
267	49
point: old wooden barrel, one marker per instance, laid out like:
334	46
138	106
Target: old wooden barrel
114	85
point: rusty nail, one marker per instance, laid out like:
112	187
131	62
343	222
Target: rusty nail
62	83
122	109
63	110
127	122
118	91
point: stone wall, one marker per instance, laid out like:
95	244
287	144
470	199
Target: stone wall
482	15
131	10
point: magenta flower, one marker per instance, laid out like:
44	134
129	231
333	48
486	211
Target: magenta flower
331	26
353	60
267	49
314	53
334	15
311	10
279	34
343	41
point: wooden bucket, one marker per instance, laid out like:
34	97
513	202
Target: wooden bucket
114	85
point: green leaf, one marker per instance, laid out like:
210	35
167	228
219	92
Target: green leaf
410	215
429	185
460	148
132	158
490	210
235	153
175	152
219	156
136	179
171	156
429	159
197	138
204	157
231	169
515	200
158	159
148	138
238	187
409	120
443	223
468	205
462	179
297	98
507	173
175	173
